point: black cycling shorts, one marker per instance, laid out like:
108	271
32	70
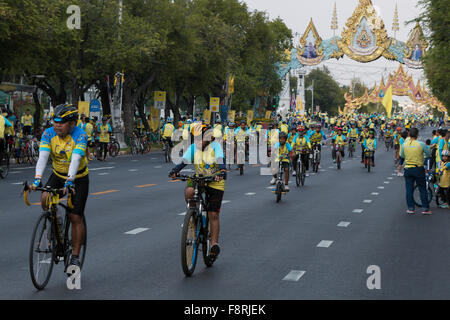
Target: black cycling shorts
81	191
213	199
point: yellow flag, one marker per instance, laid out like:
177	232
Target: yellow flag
207	116
231	115
154	116
268	114
387	101
249	117
83	108
231	85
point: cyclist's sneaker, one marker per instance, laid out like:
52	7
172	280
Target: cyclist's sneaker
444	206
410	211
214	252
426	212
74	261
273	181
286	188
293	173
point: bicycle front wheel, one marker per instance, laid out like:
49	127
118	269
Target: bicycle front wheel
42	252
206	246
298	174
418	199
189	242
5	167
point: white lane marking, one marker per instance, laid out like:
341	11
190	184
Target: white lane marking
153	158
367	201
226	201
386	182
187	170
137	230
158	167
375	193
134	160
270	188
357	210
103	174
102	168
324	244
14	172
343	224
182	214
45	261
133	170
25	168
390	178
380	187
294	275
323	170
250	194
330	167
17	183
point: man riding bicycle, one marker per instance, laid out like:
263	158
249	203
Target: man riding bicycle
302	147
283	148
316	137
66	144
370	144
352	134
166	133
338	140
208	159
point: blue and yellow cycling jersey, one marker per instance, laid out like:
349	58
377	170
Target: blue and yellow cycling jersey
353	133
339	140
283	152
317	137
61	150
370	144
206	162
301	144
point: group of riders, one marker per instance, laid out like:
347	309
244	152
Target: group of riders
291	137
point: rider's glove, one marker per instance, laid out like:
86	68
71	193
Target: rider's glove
36	182
68	184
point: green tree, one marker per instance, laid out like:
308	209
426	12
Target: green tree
436	20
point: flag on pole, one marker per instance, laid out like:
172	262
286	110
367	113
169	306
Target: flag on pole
292	106
387	101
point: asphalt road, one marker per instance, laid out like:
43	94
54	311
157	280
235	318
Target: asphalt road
316	232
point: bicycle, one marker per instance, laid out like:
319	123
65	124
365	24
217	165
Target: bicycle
167	150
351	147
337	149
4	168
113	147
300	170
51	239
315	158
433	191
368	159
196	227
388	141
279	184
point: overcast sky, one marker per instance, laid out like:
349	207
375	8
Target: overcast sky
297	14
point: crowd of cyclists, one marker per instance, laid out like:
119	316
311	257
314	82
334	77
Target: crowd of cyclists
69	139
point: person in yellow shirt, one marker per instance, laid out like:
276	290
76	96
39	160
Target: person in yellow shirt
104	132
27	122
302	147
284	149
444	183
414	152
167	131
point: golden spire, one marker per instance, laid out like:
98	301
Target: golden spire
334	20
395	24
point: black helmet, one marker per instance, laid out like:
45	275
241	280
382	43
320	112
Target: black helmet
104	118
65	113
282	135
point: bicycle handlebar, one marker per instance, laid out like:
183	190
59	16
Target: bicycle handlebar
197	178
27	189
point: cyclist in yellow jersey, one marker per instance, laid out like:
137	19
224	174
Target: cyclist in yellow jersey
339	140
208	159
167	131
302	147
283	149
66	144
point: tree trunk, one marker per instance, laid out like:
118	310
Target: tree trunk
140	105
128	111
37	112
103	88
